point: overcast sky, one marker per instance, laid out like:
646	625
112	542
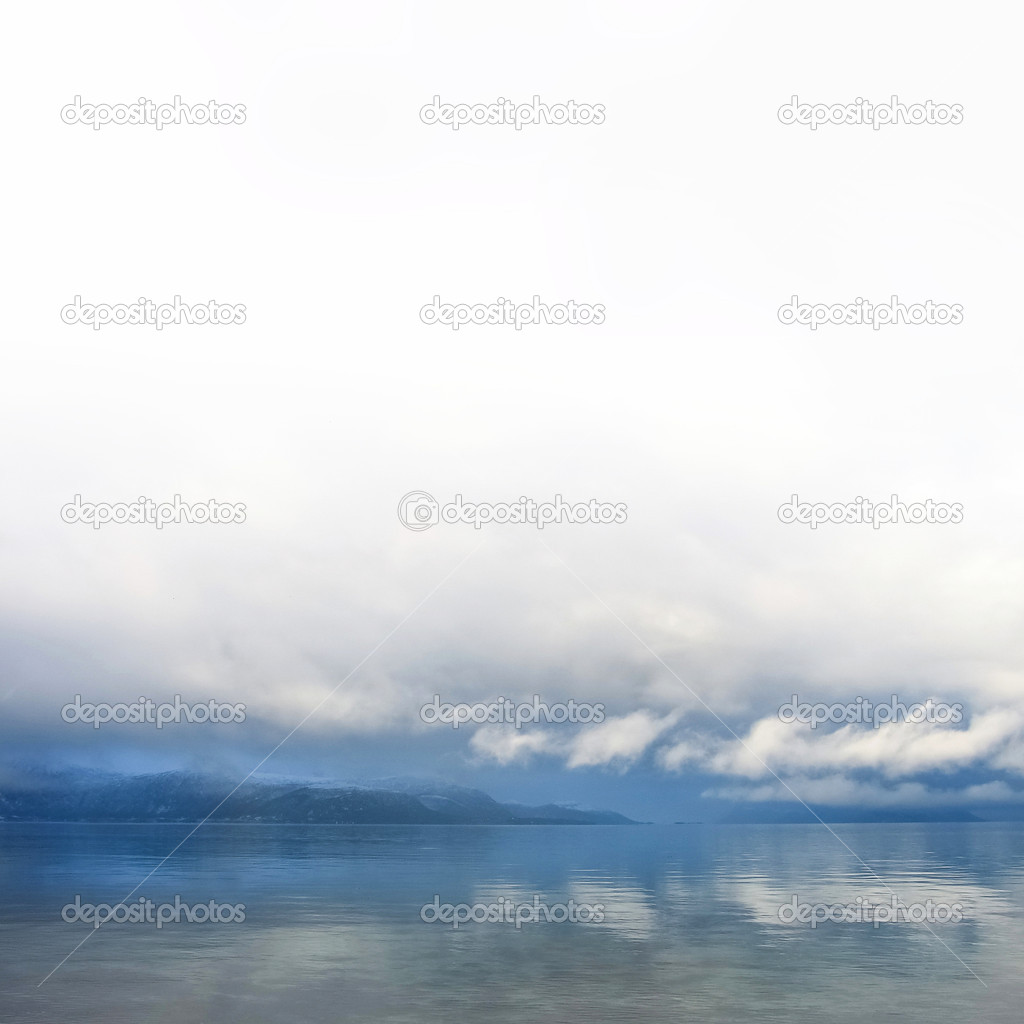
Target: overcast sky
333	213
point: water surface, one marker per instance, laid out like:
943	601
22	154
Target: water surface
333	932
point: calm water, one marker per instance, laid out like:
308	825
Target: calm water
691	930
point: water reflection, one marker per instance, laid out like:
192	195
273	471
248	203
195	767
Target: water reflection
691	928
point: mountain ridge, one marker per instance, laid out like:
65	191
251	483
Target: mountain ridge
184	797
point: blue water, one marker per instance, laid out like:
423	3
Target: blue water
691	929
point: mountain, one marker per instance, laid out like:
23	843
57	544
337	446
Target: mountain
191	797
553	814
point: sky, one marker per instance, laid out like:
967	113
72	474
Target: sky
334	214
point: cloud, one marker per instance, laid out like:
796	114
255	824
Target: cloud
842	791
895	750
618	740
507	746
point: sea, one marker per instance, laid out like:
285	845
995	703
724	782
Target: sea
495	924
